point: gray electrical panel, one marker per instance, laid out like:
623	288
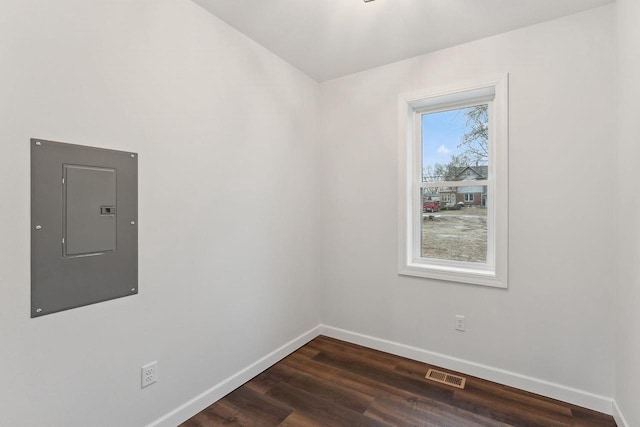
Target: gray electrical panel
84	236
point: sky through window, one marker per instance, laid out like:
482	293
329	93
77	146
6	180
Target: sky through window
441	134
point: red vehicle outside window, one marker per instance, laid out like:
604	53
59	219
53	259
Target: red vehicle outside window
430	206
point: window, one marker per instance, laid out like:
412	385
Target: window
453	183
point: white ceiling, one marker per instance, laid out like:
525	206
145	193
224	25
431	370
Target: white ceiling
331	38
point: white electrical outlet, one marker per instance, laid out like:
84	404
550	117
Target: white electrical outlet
149	374
460	326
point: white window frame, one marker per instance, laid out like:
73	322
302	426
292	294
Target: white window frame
494	91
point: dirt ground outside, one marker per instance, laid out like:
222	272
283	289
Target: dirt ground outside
455	235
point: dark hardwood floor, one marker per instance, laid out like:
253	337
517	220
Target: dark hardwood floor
333	383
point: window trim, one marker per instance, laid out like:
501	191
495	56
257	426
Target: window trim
410	108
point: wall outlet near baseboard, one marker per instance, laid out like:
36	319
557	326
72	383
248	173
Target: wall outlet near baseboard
460	324
149	374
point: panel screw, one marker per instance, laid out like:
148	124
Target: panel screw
38	143
133	155
39	310
133	223
38	227
133	289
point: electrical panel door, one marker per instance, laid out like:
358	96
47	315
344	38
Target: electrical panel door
84	238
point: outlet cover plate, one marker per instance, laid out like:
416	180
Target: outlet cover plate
149	374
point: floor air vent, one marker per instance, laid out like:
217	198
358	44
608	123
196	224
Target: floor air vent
444	378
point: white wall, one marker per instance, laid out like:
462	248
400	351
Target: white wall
226	136
555	321
628	222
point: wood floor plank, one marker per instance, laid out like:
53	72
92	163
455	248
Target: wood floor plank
242	407
385	412
508	413
265	381
296	419
329	382
362	367
259	406
307	351
423	412
517	398
342	396
321	411
587	418
385	360
224	413
346	379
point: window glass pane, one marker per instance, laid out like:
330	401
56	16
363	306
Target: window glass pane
454	218
455	144
454	224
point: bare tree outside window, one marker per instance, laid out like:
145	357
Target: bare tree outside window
475	140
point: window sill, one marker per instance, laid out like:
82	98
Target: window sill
473	276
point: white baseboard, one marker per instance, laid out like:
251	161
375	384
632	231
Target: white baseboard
218	391
617	415
523	382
